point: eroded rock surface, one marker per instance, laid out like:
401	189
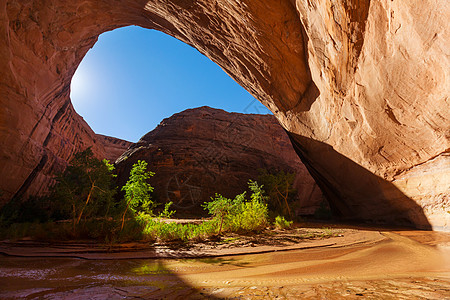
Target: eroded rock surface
199	152
362	86
114	147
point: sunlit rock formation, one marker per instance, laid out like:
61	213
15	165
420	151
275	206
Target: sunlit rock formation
362	86
203	151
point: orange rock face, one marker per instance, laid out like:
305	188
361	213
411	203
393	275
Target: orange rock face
199	152
362	86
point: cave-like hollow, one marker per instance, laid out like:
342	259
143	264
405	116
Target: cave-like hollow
365	111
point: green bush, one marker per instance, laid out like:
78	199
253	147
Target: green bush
33	209
240	214
282	223
95	216
157	229
166	212
203	230
248	216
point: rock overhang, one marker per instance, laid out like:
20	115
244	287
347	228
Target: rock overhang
362	86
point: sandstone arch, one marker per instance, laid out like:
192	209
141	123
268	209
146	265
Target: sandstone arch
362	86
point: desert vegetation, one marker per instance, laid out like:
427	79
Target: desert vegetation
85	203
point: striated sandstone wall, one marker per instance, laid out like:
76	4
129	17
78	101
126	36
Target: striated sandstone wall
362	86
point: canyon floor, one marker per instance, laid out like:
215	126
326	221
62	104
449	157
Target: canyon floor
301	263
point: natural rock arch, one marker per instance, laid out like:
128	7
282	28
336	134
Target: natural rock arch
362	86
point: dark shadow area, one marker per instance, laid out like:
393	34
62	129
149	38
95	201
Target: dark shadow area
353	192
56	278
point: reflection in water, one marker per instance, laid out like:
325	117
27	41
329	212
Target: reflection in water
155	267
403	261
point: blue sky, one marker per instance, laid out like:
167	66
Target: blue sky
133	78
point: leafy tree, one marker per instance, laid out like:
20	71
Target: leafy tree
279	189
219	208
86	187
137	190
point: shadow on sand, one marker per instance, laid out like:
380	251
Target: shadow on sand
72	278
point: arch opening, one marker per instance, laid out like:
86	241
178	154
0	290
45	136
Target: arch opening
133	78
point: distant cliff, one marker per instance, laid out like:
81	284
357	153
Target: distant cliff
114	147
203	151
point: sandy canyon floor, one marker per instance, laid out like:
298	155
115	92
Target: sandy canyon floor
302	263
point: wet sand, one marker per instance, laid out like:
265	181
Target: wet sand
399	265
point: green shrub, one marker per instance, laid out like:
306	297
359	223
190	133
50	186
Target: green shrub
203	230
166	212
248	216
240	214
328	232
18	211
156	229
282	223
